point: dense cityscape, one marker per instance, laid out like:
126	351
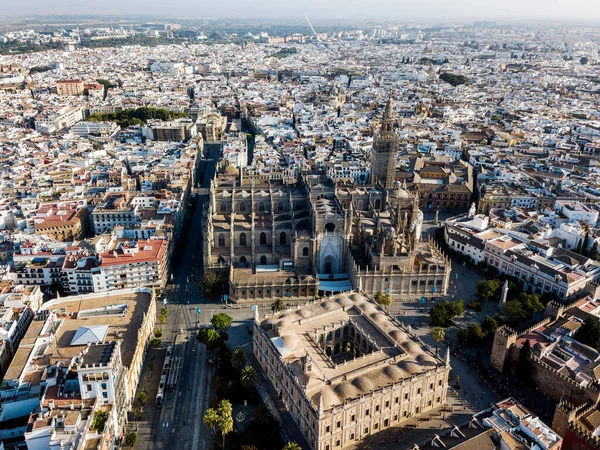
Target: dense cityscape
227	235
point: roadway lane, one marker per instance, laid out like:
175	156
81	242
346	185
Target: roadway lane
178	424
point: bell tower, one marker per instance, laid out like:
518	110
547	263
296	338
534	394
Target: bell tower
385	149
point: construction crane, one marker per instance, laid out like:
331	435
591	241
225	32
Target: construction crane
311	27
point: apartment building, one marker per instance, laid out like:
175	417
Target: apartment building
174	131
115	209
130	265
62	221
69	87
80	354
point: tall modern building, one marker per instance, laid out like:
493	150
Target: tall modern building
385	149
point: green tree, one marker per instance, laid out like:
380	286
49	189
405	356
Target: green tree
221	321
157	333
594	251
579	246
453	79
476	334
489	325
262	415
291	446
384	300
155	343
142	398
277	305
488	290
247	377
524	369
438	335
225	418
586	244
513	311
210	284
457	307
211	338
463	336
211	419
130	439
238	358
589	332
530	302
441	314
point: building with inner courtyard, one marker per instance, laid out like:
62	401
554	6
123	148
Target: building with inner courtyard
345	369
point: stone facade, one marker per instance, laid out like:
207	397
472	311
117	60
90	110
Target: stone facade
273	236
345	369
385	150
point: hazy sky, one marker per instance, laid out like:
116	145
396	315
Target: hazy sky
403	10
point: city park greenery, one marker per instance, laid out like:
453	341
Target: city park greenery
137	116
453	79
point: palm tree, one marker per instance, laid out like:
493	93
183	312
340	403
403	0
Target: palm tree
226	426
211	419
247	377
262	415
238	358
277	305
292	446
438	335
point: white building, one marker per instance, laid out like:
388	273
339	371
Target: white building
58	119
577	211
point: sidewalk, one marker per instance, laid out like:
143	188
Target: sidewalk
149	381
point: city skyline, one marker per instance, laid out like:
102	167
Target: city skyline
510	11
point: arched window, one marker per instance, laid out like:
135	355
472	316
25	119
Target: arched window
223	207
305	251
330	227
221	240
243	259
243	239
243	206
221	260
282	238
263	238
261	207
263	260
280	206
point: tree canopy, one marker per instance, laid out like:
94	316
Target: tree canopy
211	338
441	315
221	321
138	116
522	308
453	79
384	300
488	290
589	332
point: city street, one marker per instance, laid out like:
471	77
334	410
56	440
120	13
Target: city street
178	423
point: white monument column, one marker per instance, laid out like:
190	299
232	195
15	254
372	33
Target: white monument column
504	294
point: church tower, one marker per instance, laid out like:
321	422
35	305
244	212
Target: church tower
385	149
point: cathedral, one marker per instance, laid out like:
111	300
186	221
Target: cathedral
274	236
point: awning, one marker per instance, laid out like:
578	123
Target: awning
335	285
